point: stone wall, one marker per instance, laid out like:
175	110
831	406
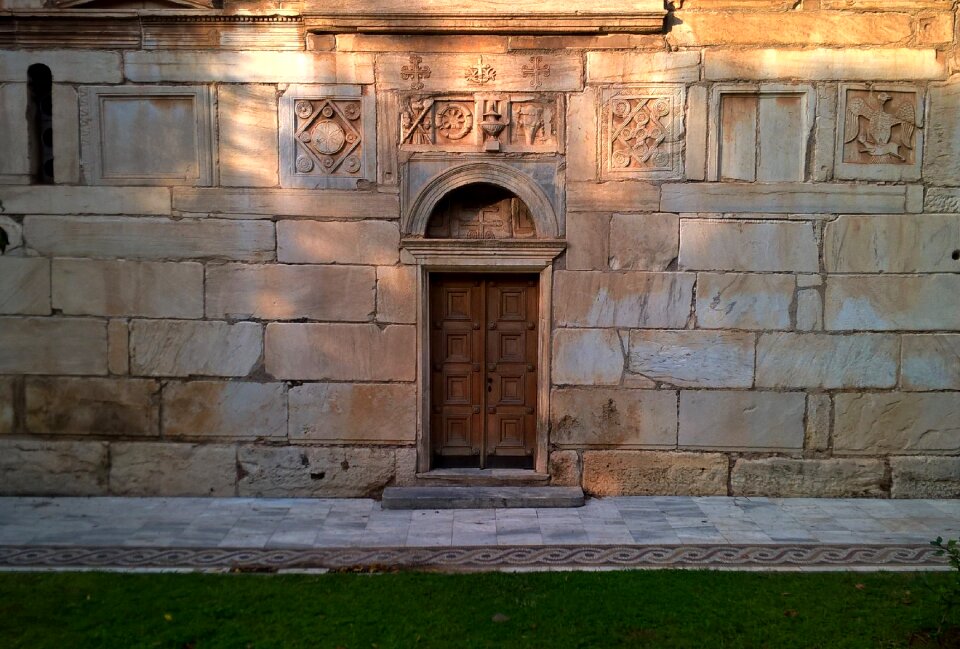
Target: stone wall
761	299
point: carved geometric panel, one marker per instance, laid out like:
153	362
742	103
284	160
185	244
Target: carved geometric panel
481	212
146	135
879	132
642	131
327	137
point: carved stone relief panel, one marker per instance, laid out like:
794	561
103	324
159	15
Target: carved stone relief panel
146	135
880	132
642	131
327	136
435	73
481	212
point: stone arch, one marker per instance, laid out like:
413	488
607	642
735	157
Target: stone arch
501	175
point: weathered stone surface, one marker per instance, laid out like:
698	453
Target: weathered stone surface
238	410
634	299
827	361
485	44
626	67
780	477
892	244
53	346
824	64
695	164
707	359
248	135
824	127
6	406
744	301
268	203
24	286
118	347
397	294
654	473
614	417
819	419
247	67
347	412
644	241
156	469
931	362
314	472
897	422
185	348
941	157
38	468
942	199
63	199
280	292
341	352
783	198
809	310
587	241
66	124
741	420
67	66
565	469
582	136
14	132
148	238
406	467
624	196
588	42
892	302
586	357
925	477
748	246
74	406
333	242
128	288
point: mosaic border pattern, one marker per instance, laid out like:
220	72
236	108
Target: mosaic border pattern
476	558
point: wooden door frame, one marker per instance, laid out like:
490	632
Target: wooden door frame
480	257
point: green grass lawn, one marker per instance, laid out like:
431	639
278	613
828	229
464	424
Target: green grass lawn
706	610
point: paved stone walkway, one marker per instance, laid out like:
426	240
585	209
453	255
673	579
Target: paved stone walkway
193	532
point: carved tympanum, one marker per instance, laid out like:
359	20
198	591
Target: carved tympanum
481	211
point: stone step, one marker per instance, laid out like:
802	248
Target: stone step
480	497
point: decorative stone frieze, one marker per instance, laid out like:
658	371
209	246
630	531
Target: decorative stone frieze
432	72
642	132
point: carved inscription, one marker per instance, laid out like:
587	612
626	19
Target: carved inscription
880	127
641	128
329	136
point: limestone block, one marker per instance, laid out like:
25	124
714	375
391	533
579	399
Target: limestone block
67	66
587	240
186	348
892	244
634	299
941	158
784	198
14	130
443	72
397	294
268	203
333	242
40	468
618	41
897	422
7	398
586	357
66	125
825	126
654	473
344	352
744	301
485	44
24	286
74	406
780	477
565	469
821	64
280	292
155	469
248	135
64	199
53	346
644	241
649	67
693	358
892	302
925	477
624	196
306	472
406	467
354	412
827	361
233	409
931	362
614	417
748	246
809	311
128	288
741	420
147	238
942	199
819	419
227	66
582	129
118	347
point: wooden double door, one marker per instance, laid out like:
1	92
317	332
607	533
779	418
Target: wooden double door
483	357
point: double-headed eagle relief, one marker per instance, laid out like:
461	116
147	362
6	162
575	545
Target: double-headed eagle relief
880	127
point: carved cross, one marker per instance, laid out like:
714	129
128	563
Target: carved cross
415	72
480	73
538	70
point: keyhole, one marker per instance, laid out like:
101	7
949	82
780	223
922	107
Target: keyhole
489	384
